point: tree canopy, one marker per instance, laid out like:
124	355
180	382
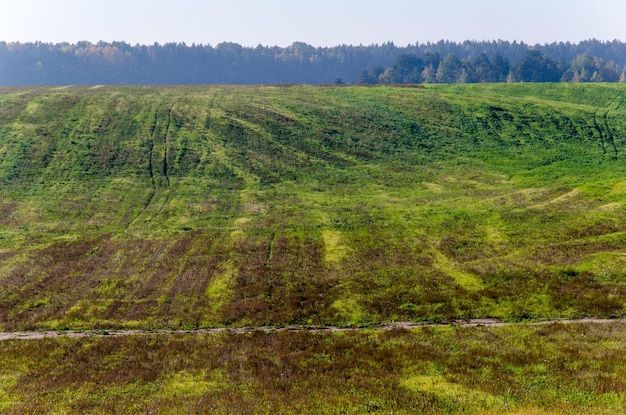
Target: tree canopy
84	63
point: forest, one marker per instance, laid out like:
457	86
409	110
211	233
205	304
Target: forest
119	63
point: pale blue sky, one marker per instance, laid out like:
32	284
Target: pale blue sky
320	22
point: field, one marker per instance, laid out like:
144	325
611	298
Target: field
561	369
194	207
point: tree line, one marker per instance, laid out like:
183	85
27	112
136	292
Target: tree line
86	63
534	66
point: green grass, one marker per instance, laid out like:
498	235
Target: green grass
560	369
198	206
210	206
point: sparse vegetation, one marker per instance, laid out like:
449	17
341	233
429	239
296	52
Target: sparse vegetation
560	369
184	207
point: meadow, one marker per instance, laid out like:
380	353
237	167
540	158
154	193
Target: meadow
522	370
228	206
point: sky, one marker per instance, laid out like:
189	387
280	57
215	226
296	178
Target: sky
318	23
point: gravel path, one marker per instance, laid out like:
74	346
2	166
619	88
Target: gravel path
36	335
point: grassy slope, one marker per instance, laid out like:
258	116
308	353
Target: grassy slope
205	206
208	206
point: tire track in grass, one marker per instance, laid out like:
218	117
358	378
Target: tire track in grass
406	325
167	133
599	130
152	131
613	107
611	139
164	175
608	137
164	168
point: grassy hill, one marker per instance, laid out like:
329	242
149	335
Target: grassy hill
204	206
168	207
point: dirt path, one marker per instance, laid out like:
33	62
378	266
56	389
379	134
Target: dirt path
36	335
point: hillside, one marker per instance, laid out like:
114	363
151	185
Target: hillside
168	207
186	207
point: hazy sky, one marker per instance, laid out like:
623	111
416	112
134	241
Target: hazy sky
320	22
